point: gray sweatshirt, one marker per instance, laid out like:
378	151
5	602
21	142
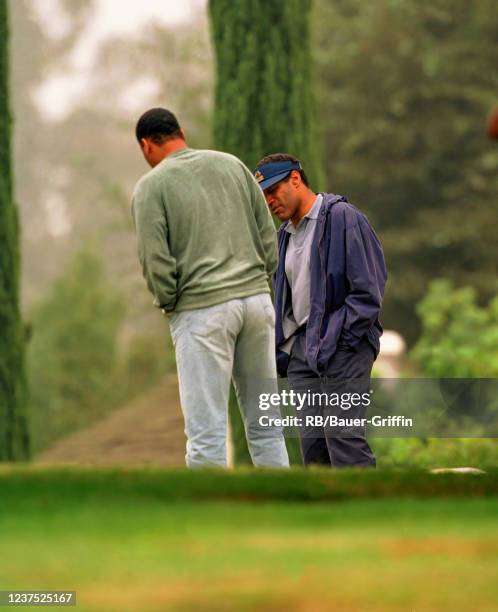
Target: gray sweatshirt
205	234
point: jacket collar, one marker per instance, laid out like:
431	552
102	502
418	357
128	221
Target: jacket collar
329	199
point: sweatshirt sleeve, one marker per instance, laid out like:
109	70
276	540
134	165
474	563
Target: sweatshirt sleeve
366	274
158	264
265	224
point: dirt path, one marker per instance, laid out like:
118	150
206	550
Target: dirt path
147	430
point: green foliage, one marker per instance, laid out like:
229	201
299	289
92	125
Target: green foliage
405	89
459	339
133	486
14	439
241	454
435	452
79	369
73	361
264	91
147	359
294	451
5	123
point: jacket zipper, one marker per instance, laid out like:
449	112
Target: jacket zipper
324	291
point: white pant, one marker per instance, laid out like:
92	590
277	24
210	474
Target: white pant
212	345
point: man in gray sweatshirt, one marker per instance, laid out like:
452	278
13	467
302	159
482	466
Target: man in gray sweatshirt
207	246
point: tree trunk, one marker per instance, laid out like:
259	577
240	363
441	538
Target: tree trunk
264	101
264	88
14	439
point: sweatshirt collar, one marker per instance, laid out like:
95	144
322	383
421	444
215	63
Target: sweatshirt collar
179	152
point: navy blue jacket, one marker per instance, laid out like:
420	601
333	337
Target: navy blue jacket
347	279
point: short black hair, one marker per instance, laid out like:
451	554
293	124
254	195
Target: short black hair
277	157
158	124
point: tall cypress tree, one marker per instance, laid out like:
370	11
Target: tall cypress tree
13	423
264	99
264	89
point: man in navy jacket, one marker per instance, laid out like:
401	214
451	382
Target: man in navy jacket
328	288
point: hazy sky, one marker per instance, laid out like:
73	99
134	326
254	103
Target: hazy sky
60	90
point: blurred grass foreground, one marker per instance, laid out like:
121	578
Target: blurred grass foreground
155	539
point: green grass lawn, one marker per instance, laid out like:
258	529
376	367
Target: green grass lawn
150	539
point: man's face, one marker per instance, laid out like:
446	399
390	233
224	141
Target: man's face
282	198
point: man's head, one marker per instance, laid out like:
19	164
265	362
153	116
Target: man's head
159	134
285	185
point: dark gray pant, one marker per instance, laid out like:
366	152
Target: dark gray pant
321	447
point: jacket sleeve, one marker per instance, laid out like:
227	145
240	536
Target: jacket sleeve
366	275
158	264
265	224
